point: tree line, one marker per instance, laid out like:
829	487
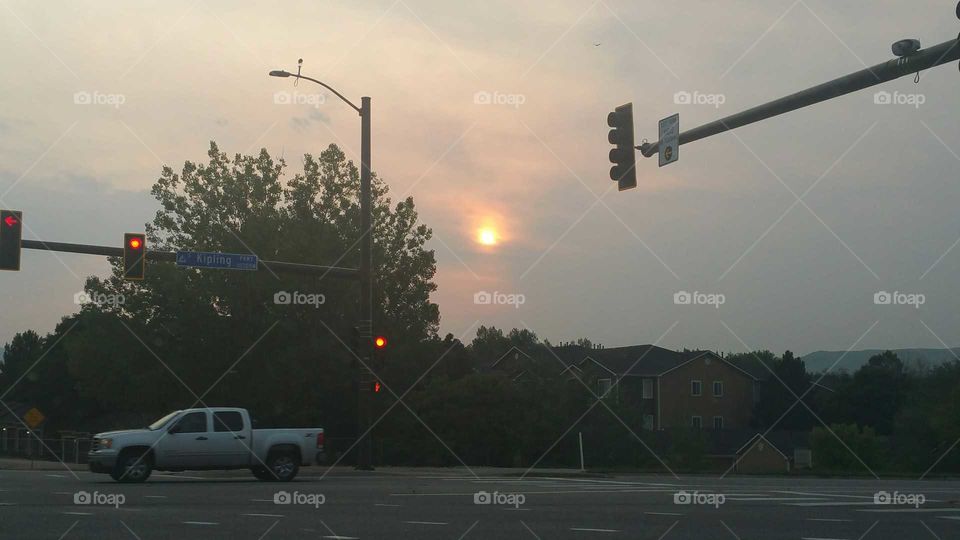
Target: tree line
186	337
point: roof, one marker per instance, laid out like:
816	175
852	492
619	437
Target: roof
647	360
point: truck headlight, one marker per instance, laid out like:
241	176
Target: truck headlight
105	443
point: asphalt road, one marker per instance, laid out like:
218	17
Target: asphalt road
419	504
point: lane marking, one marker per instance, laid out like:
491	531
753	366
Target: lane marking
829	519
948	517
78	513
341	537
426	522
56	475
584	529
182	476
912	510
7	504
155	496
265	515
384	504
199	523
819	538
261	500
662	514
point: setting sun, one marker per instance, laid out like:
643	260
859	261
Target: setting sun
487	237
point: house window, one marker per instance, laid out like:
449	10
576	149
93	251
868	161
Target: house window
604	386
647	388
717	422
696	388
696	422
717	388
648	422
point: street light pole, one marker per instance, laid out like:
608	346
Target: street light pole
364	449
364	377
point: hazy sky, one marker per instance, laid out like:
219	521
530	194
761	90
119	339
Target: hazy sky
733	217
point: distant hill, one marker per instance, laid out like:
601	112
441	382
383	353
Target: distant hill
822	360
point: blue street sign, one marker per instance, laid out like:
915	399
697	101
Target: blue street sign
226	261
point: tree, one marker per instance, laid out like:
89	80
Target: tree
186	336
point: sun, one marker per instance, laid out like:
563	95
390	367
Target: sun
487	237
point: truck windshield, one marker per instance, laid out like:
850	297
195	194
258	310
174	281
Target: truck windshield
160	423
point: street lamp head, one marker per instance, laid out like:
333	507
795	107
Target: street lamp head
279	73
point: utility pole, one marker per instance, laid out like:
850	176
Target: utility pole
907	63
364	449
364	377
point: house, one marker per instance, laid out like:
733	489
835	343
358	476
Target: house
672	389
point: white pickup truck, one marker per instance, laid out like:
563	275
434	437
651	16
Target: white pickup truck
203	439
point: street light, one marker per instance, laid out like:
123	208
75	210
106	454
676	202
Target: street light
366	263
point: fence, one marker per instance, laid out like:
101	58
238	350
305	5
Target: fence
23	444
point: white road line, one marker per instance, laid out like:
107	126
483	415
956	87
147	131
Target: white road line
774	499
78	513
57	475
63	493
583	529
7	504
261	500
384	504
948	517
832	503
662	514
155	496
264	515
829	519
426	522
182	476
341	537
517	509
199	523
819	538
912	510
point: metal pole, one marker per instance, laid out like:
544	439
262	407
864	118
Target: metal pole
947	51
365	448
171	256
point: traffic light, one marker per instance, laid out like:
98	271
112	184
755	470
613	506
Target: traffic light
11	229
134	255
379	352
624	171
375	386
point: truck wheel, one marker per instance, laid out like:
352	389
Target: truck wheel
282	466
262	473
132	467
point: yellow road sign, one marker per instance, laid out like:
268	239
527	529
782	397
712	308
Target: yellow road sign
34	418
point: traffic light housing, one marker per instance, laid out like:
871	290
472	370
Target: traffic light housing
375	386
623	157
134	255
11	231
379	352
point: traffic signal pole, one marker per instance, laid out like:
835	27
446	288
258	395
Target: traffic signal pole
171	256
365	447
921	60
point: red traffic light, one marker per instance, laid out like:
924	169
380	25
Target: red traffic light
11	220
135	243
376	386
380	342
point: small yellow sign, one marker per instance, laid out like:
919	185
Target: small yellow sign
34	418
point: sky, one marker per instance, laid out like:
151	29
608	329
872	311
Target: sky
829	228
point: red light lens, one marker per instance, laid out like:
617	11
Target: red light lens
376	386
135	243
380	342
